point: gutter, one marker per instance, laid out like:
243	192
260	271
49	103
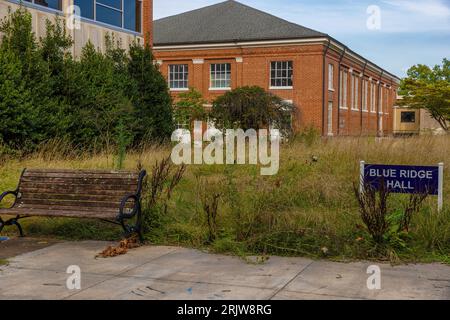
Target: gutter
379	103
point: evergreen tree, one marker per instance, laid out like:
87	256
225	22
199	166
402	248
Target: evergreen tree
150	96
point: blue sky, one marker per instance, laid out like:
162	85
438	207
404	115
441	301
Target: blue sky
412	31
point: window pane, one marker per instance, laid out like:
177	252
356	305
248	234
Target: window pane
178	76
109	16
132	15
54	4
408	117
86	8
113	3
281	73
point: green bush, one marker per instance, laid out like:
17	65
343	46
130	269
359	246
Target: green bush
90	102
251	108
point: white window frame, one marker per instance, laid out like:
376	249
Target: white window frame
185	76
373	104
355	92
331	77
220	76
365	95
381	101
287	69
343	90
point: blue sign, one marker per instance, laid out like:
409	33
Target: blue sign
403	179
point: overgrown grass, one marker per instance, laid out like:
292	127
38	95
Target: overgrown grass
3	262
308	209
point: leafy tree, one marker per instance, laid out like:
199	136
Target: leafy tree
190	107
251	108
429	88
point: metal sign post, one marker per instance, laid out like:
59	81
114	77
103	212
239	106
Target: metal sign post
441	187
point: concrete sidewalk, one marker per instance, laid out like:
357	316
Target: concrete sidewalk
177	273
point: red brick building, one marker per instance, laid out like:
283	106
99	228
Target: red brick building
229	45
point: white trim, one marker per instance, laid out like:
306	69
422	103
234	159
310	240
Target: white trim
220	89
179	89
238	44
198	61
281	88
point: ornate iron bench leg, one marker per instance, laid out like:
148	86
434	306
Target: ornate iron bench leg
11	222
2	224
17	224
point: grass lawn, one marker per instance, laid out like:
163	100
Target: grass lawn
308	209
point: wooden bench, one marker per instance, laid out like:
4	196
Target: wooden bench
113	196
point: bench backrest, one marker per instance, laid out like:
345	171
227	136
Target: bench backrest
77	190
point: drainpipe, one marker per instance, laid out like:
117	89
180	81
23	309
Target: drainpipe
379	104
324	86
339	91
361	96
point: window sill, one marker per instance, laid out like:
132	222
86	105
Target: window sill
281	88
332	90
179	90
219	89
356	110
343	108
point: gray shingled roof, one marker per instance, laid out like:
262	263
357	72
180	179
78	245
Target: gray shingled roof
228	21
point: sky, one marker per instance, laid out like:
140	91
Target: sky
407	32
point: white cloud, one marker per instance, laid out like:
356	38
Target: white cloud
433	8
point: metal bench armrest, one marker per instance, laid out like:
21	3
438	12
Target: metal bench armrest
136	208
7	193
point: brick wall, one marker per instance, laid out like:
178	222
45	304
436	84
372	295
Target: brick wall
251	66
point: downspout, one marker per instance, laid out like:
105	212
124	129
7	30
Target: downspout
339	91
379	103
323	86
361	96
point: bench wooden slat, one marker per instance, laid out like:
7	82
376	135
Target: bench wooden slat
32	171
55	208
109	215
69	203
57	190
81	181
87	175
78	187
75	197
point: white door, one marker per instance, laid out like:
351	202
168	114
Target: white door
330	118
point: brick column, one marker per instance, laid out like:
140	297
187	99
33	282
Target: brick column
147	21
